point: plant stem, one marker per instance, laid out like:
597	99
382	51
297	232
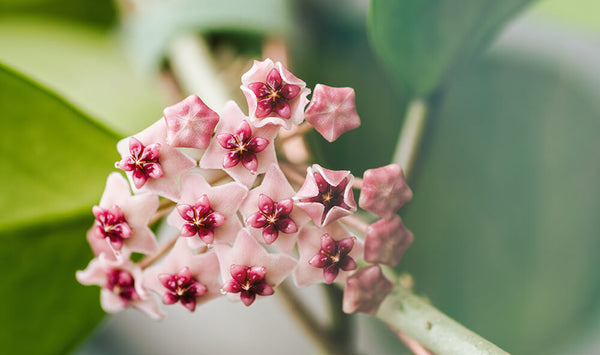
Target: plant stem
410	136
307	322
409	314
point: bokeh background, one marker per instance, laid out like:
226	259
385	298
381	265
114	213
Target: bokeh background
506	213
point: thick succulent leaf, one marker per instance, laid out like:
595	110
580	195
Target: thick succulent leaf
54	163
505	212
421	41
86	66
149	32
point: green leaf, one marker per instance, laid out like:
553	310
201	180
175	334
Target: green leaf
149	32
422	41
505	212
54	164
97	12
85	65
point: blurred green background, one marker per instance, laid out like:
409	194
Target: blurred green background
507	181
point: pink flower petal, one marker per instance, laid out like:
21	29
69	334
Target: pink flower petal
384	191
365	290
190	123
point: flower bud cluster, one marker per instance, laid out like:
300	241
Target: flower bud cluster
246	218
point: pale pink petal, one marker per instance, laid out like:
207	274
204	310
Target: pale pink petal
172	161
309	244
247	251
277	188
215	155
267	71
190	123
332	111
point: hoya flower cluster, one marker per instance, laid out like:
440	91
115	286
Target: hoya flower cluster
246	218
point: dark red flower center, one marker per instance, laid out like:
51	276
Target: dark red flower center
274	95
142	162
122	284
249	281
333	256
182	287
242	146
200	219
329	196
111	224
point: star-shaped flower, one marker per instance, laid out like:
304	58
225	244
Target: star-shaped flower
121	282
242	150
190	123
365	290
384	191
172	162
386	241
270	213
326	195
248	269
205	214
274	95
184	277
332	111
122	220
326	254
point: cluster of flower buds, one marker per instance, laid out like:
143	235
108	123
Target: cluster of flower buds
246	217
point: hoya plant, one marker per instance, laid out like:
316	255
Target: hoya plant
340	177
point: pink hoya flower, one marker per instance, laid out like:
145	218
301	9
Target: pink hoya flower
121	282
247	268
206	214
326	254
269	211
326	195
365	290
332	111
274	95
184	277
384	191
241	150
146	154
190	123
122	220
386	241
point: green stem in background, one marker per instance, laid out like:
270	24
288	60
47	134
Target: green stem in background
411	135
411	315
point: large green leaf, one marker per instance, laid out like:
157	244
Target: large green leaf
506	204
85	65
54	163
97	12
421	41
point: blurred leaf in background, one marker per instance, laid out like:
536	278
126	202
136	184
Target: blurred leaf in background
100	13
54	163
421	42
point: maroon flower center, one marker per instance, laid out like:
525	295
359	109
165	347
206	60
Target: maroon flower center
182	287
200	219
274	95
249	281
273	217
242	147
329	196
333	256
111	224
122	284
142	162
